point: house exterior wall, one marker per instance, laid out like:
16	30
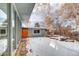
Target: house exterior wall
32	34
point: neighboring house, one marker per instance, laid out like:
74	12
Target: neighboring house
3	31
37	32
3	38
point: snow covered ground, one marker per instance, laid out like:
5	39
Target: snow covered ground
3	45
44	46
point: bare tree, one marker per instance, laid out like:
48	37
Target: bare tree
49	25
71	10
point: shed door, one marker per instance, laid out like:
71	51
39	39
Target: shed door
24	32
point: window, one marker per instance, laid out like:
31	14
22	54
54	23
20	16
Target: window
3	31
36	31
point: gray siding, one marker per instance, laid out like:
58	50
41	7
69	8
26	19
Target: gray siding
32	34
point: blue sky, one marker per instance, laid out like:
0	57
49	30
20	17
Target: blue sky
3	16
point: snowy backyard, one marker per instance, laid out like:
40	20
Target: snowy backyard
3	46
44	46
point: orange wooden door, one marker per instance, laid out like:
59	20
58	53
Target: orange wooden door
25	32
